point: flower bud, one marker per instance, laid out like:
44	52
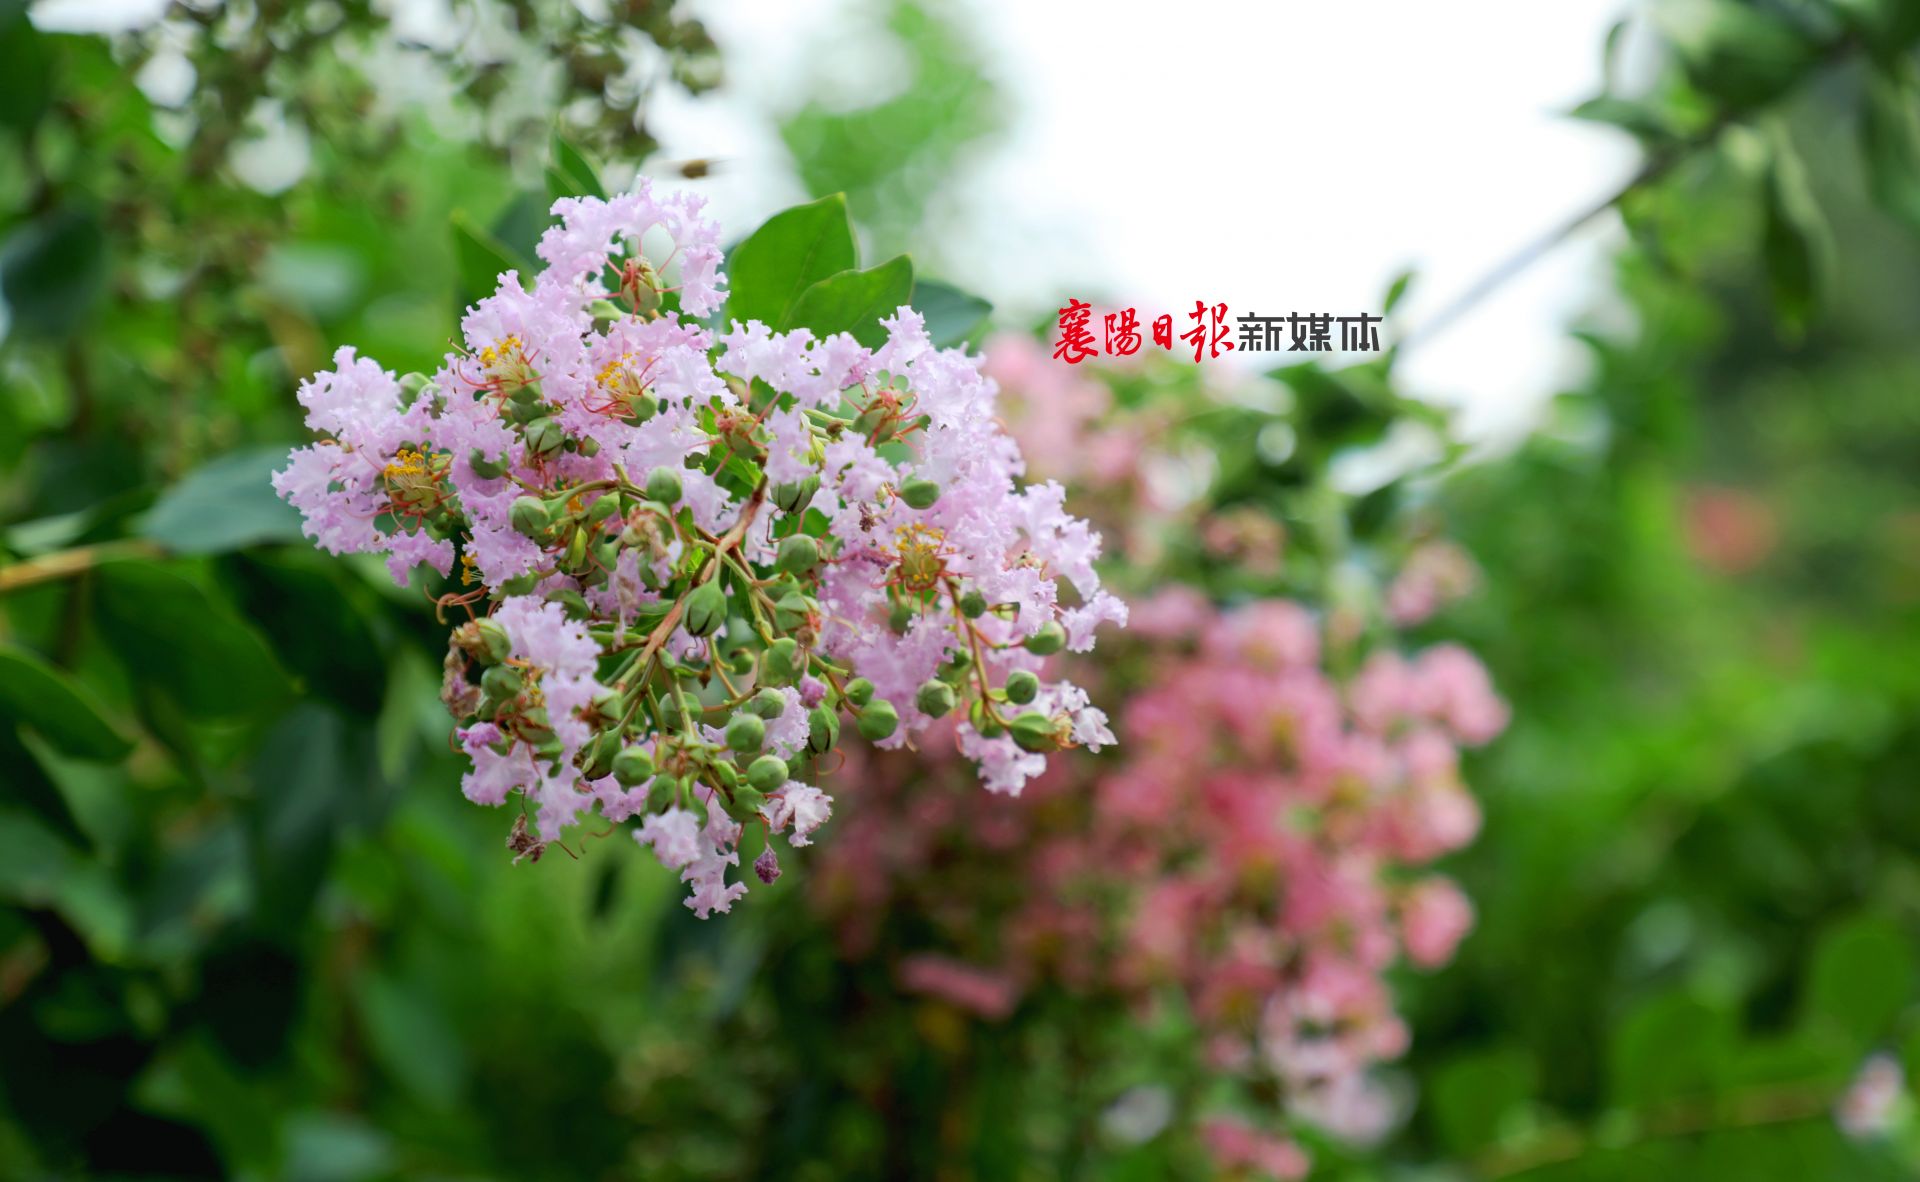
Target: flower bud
1049	640
588	447
1021	687
767	865
495	641
545	434
631	766
744	801
601	755
767	772
576	549
706	609
413	383
795	495
973	605
607	506
823	730
663	793
782	662
746	732
485	468
529	516
920	493
1034	731
500	682
663	485
798	554
878	719
955	670
768	703
525	405
792	609
859	691
935	699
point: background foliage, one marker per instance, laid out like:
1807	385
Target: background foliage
250	929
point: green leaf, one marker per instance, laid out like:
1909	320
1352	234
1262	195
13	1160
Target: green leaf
1739	55
51	702
1473	1096
953	316
1645	121
571	174
52	269
481	258
795	249
1796	243
26	61
854	301
1396	291
1670	1048
27	786
224	505
1863	975
1890	143
186	643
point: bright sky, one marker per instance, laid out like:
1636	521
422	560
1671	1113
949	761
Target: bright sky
1291	155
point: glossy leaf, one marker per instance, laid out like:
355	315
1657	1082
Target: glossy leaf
795	249
1890	143
953	316
185	642
855	301
58	707
52	270
224	505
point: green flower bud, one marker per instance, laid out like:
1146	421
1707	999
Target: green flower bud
782	663
919	493
607	506
413	383
746	732
706	609
744	801
545	434
982	722
791	609
485	468
600	760
663	793
823	730
878	719
1034	731
741	662
973	605
796	495
935	699
500	682
576	548
797	555
898	618
497	643
1021	686
529	516
525	406
859	691
1049	640
527	395
956	669
767	772
768	703
663	485
588	447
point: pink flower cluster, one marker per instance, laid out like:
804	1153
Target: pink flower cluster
685	555
1259	849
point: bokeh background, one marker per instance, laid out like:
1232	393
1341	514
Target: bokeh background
250	928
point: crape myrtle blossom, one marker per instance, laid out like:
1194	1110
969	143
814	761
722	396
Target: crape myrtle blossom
684	555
